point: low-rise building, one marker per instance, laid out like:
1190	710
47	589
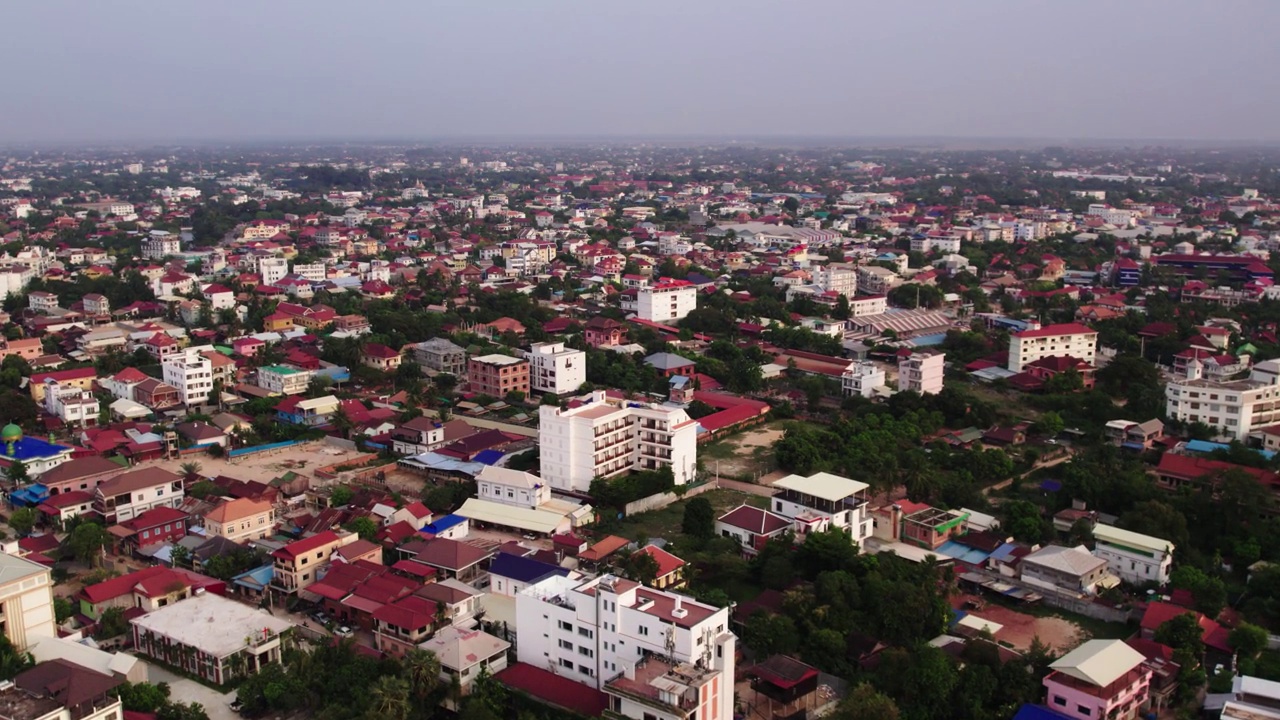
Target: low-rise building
241	520
283	379
191	373
1100	679
862	379
823	501
211	637
752	527
132	493
1071	570
380	357
298	564
496	375
1132	556
464	655
439	355
61	690
921	372
1072	339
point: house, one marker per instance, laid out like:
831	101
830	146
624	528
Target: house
668	364
451	558
670	569
752	527
1134	435
1070	339
79	474
26	594
380	357
1134	557
822	501
1214	636
132	493
241	520
509	574
60	508
1099	679
79	378
464	655
153	527
931	528
202	434
555	368
1066	569
601	332
511	487
439	355
404	623
149	588
211	637
312	412
61	690
299	564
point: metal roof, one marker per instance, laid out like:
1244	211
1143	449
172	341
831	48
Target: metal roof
1099	662
822	485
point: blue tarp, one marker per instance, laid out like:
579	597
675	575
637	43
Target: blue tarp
443	524
1051	485
488	457
29	496
240	452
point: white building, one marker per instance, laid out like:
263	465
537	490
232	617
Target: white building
868	305
1112	216
1134	557
272	269
862	378
26	600
921	372
511	487
556	369
876	280
823	501
219	297
283	379
1235	408
666	301
654	653
1073	339
72	405
601	436
839	279
191	373
315	272
161	244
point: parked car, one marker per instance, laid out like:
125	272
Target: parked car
343	632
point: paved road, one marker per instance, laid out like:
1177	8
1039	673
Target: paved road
187	691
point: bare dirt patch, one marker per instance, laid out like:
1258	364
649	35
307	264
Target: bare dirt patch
1020	628
268	465
745	456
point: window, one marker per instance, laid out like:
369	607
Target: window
586	652
644	630
587	671
1084	709
566	663
584	632
566	626
1059	701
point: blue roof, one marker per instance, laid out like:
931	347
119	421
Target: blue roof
1003	551
963	553
259	577
523	569
1037	712
31	495
1205	446
29	448
488	457
444	523
1051	485
927	340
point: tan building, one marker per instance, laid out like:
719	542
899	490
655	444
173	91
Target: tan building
241	520
496	375
26	601
297	563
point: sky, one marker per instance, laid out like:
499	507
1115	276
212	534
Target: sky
157	72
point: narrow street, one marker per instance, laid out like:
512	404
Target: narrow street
1043	464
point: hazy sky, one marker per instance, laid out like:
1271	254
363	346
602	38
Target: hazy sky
152	71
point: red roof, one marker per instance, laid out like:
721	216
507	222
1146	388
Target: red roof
61	375
755	520
1213	634
305	545
1060	329
554	689
1192	468
667	563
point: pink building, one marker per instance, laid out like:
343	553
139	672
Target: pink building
1100	680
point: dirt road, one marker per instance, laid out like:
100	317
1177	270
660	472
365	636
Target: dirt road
1043	464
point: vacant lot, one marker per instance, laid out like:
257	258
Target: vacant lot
665	523
744	456
266	466
1020	628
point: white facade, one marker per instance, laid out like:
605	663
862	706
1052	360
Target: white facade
1234	408
605	632
876	280
315	272
921	373
72	405
862	378
191	373
272	269
161	244
556	369
868	305
1132	556
511	487
839	279
284	380
1111	216
219	297
823	501
666	301
1074	339
600	436
26	601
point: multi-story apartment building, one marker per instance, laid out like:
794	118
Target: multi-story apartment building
496	375
241	519
862	378
315	272
297	564
868	305
654	653
601	436
161	244
75	407
666	300
191	373
822	501
1235	407
921	372
283	379
839	279
273	269
1132	556
441	356
556	369
876	280
1073	339
130	494
26	601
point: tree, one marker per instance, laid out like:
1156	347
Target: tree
63	610
17	473
191	469
866	703
422	670
389	698
1023	520
699	518
1182	633
12	662
1248	640
143	697
365	527
86	542
111	624
641	567
769	634
340	496
22	521
1050	424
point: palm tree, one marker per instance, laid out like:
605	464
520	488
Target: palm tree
422	670
342	423
390	698
191	469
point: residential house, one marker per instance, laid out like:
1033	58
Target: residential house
497	375
1099	679
465	655
822	501
60	689
298	564
439	355
670	569
380	357
751	527
132	493
1133	557
241	520
153	527
451	558
555	368
601	332
1066	569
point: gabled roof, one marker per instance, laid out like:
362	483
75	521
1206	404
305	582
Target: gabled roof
523	569
305	545
755	520
1072	560
66	682
451	554
137	480
667	563
1099	662
233	510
